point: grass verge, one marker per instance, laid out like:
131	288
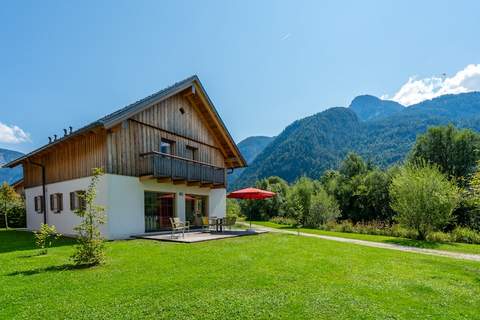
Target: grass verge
453	247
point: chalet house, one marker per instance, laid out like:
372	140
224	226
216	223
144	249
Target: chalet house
163	156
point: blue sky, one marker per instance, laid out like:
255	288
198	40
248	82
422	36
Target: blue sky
263	63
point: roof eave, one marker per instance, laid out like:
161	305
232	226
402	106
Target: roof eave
240	156
19	161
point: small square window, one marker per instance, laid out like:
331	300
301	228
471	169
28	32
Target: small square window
77	200
38	200
191	153
56	202
167	146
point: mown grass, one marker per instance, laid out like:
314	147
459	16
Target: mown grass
454	247
256	277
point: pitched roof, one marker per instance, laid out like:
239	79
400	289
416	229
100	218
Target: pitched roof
126	112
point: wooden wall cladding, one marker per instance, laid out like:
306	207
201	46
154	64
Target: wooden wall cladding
173	119
72	159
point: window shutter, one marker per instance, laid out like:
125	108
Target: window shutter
36	203
60	202
72	201
52	204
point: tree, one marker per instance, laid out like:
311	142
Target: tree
470	217
8	199
373	196
299	198
268	208
423	198
455	151
353	165
90	244
323	208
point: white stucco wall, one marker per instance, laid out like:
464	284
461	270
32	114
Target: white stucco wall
123	199
217	203
125	206
65	220
126	202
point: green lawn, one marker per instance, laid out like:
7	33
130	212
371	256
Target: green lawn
256	277
455	247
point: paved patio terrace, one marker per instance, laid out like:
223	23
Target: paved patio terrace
198	236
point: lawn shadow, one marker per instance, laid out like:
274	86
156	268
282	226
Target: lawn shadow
16	240
35	254
416	243
63	267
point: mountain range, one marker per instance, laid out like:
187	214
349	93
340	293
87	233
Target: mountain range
6	174
250	148
381	131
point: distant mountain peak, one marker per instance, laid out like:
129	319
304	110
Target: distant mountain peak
7	174
368	107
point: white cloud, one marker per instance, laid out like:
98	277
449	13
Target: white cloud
417	90
12	134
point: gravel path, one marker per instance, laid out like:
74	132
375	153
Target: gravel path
391	246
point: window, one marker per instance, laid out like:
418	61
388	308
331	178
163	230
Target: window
56	202
77	200
159	208
38	204
191	153
166	146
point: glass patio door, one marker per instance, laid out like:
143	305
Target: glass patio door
159	208
195	209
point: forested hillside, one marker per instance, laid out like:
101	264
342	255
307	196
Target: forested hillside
250	148
384	136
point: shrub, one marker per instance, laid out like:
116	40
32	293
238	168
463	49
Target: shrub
323	208
233	208
45	236
17	217
423	198
465	235
283	220
345	226
439	236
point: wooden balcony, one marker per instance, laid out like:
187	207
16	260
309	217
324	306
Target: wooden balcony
163	166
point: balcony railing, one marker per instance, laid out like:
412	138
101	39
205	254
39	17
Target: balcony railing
164	165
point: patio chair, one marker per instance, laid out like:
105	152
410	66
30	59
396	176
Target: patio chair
230	222
205	224
178	225
212	223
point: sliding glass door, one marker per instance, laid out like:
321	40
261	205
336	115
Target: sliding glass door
195	209
159	208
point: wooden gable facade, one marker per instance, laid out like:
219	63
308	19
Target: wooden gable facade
201	151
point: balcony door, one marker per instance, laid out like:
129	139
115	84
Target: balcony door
159	208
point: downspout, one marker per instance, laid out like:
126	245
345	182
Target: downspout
44	197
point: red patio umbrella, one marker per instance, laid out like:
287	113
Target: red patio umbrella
251	193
